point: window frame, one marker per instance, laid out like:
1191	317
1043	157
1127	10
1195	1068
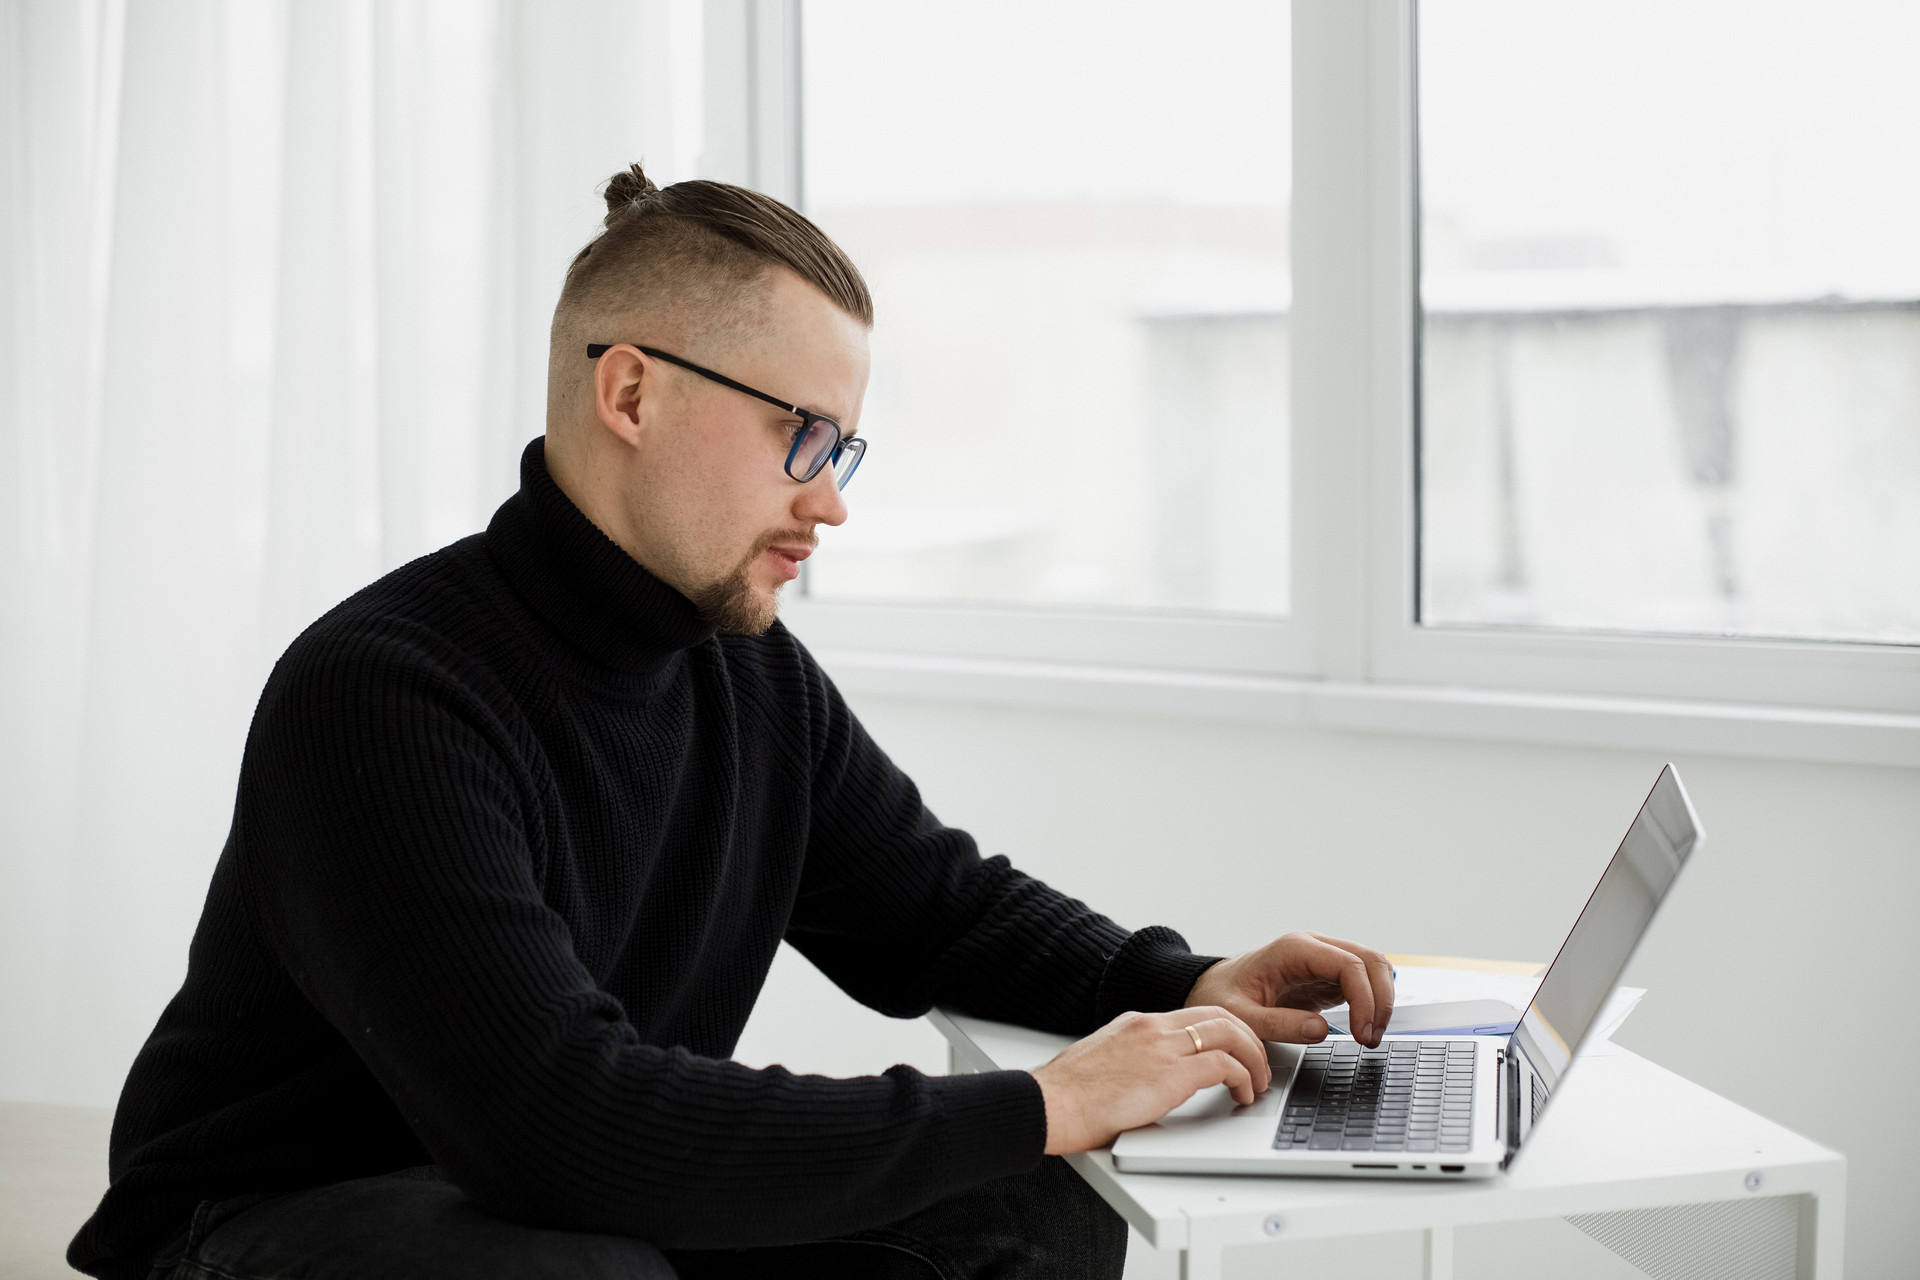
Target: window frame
1354	329
1827	674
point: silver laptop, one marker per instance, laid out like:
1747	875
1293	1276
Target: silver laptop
1454	1106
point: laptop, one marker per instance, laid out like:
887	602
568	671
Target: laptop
1436	1106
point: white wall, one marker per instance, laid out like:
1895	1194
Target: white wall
1792	927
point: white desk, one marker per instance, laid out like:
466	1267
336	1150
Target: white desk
1675	1179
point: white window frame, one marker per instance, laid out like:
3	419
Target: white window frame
1375	39
1351	652
750	73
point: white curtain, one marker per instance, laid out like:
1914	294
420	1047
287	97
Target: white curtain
277	281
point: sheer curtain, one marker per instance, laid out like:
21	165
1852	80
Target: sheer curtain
277	282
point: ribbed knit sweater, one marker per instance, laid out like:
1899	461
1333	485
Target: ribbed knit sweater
515	841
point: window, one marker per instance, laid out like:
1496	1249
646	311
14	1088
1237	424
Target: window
1074	222
1178	368
1671	326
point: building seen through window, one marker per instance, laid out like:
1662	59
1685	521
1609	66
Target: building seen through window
1671	338
1076	235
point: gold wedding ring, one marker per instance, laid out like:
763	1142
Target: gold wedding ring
1197	1046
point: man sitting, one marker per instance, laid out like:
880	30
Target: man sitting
521	825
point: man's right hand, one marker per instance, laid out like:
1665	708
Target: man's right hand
1141	1066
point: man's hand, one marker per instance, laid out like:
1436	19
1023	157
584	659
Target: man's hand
1141	1066
1279	989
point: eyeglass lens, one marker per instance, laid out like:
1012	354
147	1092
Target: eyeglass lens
846	459
819	444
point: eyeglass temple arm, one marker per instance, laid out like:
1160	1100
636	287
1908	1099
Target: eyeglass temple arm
597	349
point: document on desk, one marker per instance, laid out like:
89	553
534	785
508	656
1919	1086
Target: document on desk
1415	988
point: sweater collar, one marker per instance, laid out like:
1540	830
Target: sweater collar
582	583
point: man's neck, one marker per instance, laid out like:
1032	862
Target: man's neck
591	485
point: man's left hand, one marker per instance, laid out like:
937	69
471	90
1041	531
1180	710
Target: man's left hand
1279	989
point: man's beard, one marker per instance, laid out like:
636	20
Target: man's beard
732	606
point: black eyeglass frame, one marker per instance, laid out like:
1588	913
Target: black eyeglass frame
842	442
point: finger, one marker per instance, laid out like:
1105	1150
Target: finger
1180	1019
1216	1066
1336	964
1207	1028
1193	1030
1379	981
1185	1033
1380	970
1227	1032
1288	1026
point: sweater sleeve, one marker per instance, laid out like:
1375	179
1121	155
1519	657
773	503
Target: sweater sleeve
386	849
903	913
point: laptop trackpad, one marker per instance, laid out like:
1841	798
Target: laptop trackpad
1209	1103
1216	1101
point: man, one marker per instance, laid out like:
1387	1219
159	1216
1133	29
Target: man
521	825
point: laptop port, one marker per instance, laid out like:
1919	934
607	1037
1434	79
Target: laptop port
1453	1168
1376	1166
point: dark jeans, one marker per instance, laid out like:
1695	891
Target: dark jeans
414	1225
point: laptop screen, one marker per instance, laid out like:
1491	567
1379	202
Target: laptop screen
1595	954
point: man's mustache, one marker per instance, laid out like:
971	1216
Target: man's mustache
786	538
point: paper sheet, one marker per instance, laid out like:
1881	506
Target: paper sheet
1421	985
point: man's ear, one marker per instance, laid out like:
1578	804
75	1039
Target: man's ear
621	380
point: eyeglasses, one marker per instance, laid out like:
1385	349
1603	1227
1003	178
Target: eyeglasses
818	443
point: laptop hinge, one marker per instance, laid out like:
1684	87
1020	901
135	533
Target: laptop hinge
1510	1084
1499	1095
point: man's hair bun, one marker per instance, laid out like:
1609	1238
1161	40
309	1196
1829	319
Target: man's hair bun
672	246
624	188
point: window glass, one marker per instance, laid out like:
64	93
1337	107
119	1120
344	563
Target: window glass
1074	221
1671	330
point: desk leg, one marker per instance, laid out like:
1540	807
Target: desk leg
1822	1235
1198	1262
1201	1259
1436	1256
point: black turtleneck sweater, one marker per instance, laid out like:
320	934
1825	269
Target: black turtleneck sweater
515	841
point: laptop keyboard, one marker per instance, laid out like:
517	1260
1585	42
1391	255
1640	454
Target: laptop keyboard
1413	1095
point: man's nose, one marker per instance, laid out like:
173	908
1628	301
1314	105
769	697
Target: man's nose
820	501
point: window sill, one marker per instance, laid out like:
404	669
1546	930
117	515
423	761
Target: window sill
1714	728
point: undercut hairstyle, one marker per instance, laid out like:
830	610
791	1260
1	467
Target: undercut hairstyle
695	254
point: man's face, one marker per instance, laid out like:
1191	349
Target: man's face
718	516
